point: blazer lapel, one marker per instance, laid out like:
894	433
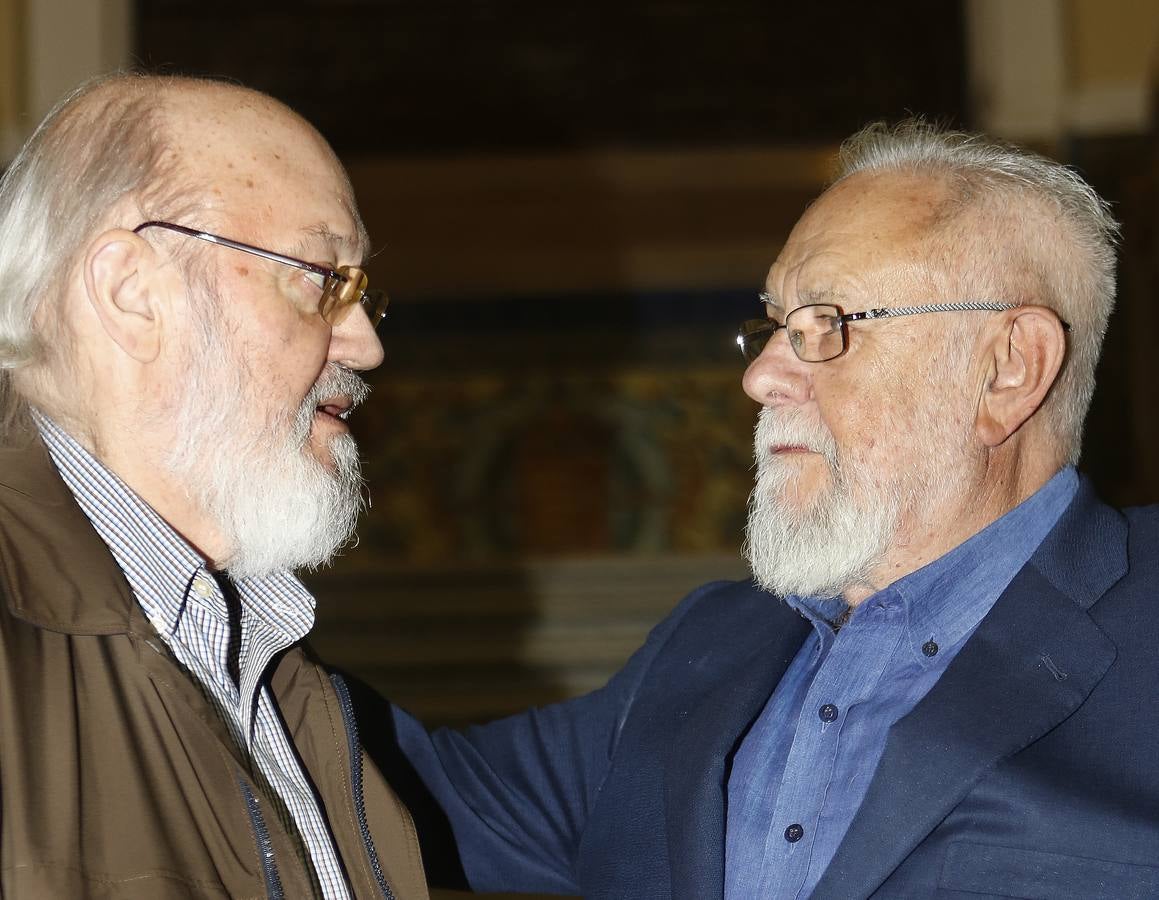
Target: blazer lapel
1033	660
709	728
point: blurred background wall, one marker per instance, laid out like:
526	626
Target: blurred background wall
573	207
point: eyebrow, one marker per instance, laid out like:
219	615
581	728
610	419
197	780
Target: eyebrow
821	295
313	234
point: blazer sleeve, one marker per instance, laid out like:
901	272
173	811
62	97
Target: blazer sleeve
509	801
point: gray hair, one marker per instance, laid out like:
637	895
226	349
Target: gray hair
103	143
1057	244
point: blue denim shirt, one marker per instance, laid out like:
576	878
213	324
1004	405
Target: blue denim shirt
801	772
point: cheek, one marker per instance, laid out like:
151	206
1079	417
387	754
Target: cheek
282	373
305	349
873	426
298	367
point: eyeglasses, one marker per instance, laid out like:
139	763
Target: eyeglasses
338	289
817	332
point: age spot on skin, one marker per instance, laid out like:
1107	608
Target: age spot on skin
243	271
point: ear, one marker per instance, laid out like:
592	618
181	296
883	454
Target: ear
121	278
1025	357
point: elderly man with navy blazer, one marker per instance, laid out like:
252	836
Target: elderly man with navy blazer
940	682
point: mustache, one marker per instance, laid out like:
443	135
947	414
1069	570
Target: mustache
336	380
790	427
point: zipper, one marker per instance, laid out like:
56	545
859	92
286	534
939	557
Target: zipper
265	845
347	706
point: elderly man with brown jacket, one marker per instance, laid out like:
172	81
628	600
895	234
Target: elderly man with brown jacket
182	319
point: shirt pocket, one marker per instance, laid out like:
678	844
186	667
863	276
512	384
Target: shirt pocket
983	870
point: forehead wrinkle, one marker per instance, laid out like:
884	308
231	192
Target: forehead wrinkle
810	280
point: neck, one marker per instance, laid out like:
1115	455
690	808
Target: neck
1002	482
140	464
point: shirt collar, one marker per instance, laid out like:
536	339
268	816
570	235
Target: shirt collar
160	566
947	598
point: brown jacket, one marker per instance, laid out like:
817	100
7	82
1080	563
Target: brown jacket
117	778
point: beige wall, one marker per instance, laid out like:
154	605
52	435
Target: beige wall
1044	69
1111	49
1112	41
48	47
11	74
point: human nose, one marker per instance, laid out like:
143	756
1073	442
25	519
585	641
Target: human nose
354	343
777	377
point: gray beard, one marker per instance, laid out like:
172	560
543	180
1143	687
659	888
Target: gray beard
277	507
827	546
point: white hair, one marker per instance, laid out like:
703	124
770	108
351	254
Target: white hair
1049	239
828	546
103	143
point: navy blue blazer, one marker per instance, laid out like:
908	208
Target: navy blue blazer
1030	770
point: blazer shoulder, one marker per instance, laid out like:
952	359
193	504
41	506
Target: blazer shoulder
698	616
730	605
1143	523
716	626
1141	570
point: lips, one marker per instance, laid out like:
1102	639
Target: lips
338	407
335	394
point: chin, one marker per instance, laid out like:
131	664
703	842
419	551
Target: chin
323	457
320	449
793	490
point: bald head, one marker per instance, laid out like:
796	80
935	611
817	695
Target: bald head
231	143
118	151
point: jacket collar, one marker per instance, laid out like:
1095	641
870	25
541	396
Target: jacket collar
55	572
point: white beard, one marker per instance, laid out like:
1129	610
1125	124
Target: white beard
834	542
276	506
837	540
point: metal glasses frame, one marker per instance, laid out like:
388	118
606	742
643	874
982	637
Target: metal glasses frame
756	333
341	288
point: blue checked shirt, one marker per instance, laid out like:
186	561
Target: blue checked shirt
801	772
183	601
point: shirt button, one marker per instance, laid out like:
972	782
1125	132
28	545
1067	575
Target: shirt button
201	587
929	648
828	712
794	833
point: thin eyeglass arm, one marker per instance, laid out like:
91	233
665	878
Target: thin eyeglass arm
894	311
966	306
891	312
245	248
